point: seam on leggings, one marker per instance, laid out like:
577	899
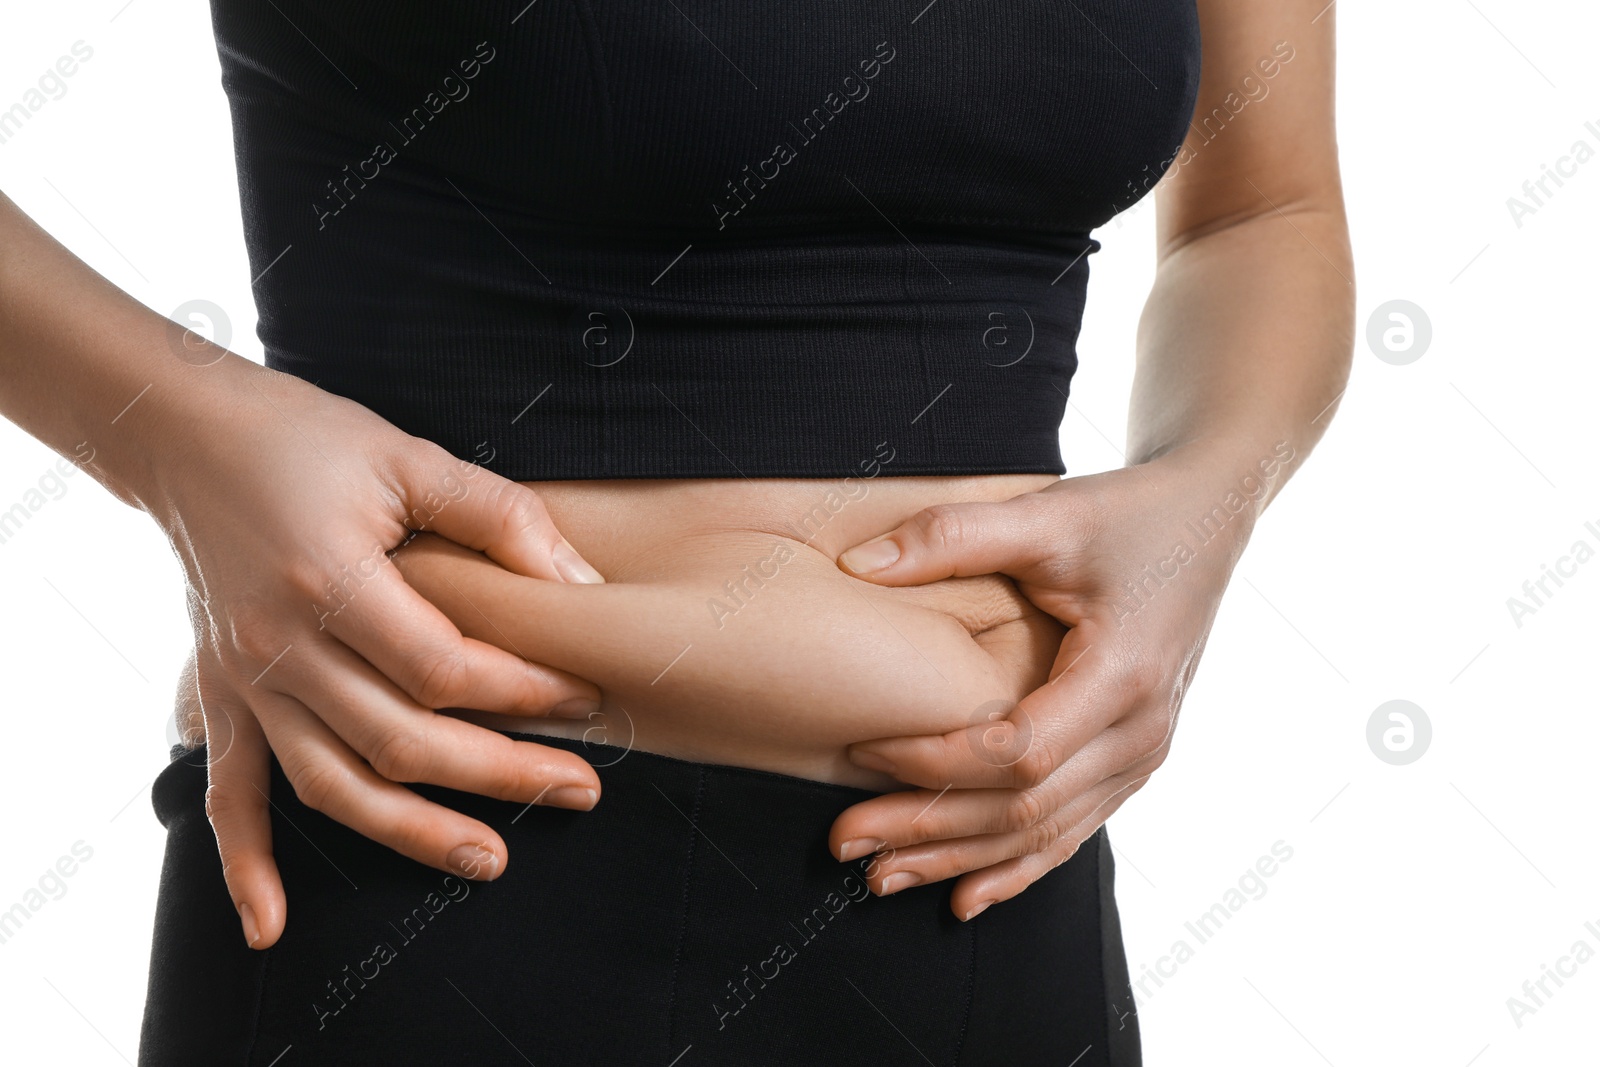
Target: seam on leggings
966	1012
683	928
261	979
261	991
1100	921
1120	1051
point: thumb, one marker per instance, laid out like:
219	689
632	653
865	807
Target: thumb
502	519
951	541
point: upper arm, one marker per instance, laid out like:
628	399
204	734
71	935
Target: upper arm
1262	136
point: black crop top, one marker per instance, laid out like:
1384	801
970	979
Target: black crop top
698	238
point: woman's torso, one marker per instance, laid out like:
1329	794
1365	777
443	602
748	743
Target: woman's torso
765	248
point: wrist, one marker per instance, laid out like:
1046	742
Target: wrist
167	422
1224	486
94	374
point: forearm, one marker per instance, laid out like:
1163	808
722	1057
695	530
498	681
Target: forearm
90	371
1245	345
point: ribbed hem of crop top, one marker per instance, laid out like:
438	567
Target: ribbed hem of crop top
770	360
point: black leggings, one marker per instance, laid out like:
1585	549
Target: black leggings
693	918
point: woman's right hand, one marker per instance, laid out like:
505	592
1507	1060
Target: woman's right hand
282	508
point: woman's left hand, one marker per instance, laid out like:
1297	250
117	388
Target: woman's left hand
1134	562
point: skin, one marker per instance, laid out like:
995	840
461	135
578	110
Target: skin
1243	351
807	662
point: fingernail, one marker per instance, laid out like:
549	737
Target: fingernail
859	846
572	796
976	910
872	556
247	919
900	880
576	708
573	567
871	761
474	861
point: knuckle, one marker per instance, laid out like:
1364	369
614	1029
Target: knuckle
520	778
1035	766
1153	734
410	835
224	805
439	680
307	579
254	637
422	457
1042	837
940	526
1022	811
316	783
1093	516
1068	850
401	755
396	468
1143	677
523	510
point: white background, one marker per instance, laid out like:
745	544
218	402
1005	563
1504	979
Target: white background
1418	897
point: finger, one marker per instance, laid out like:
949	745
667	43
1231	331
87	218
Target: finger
238	777
403	741
939	860
1016	751
409	640
911	817
1025	746
978	890
328	777
498	517
954	540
